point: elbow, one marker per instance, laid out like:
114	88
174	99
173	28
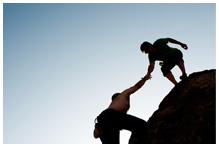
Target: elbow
151	67
169	40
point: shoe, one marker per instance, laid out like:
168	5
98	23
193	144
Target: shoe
183	77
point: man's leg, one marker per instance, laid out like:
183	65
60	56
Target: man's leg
110	137
182	67
171	78
108	120
178	57
167	66
137	126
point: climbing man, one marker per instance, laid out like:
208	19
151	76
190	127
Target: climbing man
115	118
168	56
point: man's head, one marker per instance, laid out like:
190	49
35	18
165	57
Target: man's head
115	95
145	46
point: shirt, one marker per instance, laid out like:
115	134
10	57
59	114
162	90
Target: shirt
163	50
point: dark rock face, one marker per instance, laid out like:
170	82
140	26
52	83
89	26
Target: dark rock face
188	113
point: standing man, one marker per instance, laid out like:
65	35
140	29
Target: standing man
170	57
115	118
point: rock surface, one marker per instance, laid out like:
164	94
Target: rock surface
188	113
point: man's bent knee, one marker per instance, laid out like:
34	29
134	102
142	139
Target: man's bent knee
165	71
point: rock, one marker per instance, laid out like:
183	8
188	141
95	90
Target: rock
188	113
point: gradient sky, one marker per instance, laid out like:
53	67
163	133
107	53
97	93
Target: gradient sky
63	62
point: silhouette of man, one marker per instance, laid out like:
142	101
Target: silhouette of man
170	57
115	118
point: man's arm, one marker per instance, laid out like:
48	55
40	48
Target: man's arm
177	42
137	86
150	70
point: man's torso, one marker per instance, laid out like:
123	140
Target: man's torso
121	103
162	50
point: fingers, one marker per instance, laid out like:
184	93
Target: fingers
184	46
148	77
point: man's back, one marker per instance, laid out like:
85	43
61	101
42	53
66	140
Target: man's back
121	103
162	50
114	119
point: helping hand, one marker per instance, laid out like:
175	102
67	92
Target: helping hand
184	46
148	77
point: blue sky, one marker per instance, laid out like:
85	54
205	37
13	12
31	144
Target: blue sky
63	62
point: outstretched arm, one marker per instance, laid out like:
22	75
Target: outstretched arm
137	86
177	42
150	70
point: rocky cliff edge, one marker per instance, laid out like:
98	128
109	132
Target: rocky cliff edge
188	113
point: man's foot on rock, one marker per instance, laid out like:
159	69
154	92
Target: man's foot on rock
183	77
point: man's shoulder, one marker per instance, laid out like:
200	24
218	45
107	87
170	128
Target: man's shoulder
152	57
161	40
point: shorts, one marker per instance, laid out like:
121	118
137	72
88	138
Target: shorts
170	61
112	122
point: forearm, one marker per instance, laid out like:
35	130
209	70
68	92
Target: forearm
140	83
174	41
136	87
177	42
150	69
